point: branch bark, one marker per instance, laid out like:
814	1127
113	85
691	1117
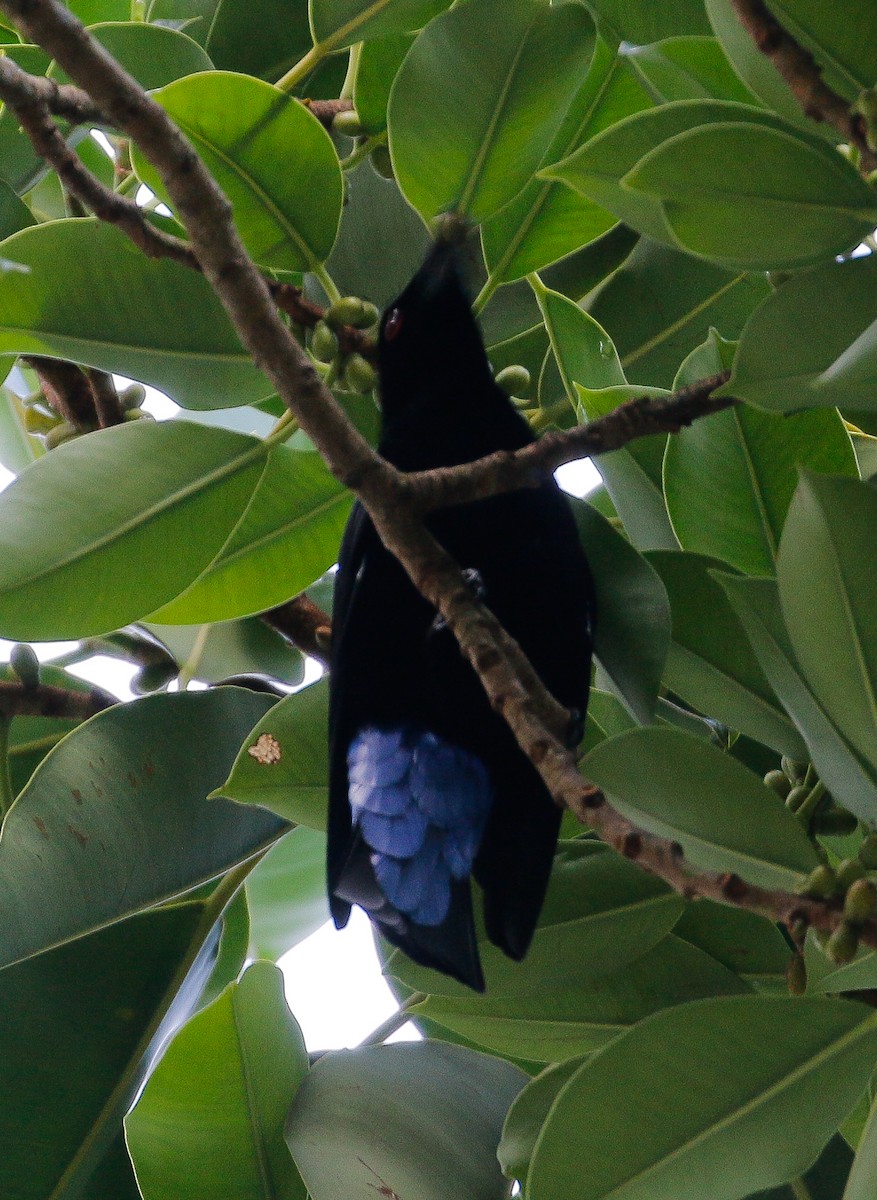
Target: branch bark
803	74
44	700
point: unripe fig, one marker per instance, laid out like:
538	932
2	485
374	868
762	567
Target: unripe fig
348	123
324	342
868	852
514	380
65	432
132	396
37	420
843	944
359	375
348	310
796	797
848	872
860	900
820	883
138	414
794	770
778	782
25	664
382	162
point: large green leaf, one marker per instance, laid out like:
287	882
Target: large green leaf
758	1072
710	663
153	54
633	613
256	37
547	220
284	763
843	49
527	1116
862	1182
813	342
476	155
93	297
243	647
84	555
828	592
379	63
755	198
686	789
850	778
288	536
600	913
565	1020
633	21
81	1026
245	130
728	481
660	304
116	818
421	1118
209	1125
686	68
339	23
743	941
14	213
17	448
287	893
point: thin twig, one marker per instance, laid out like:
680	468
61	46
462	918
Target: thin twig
803	74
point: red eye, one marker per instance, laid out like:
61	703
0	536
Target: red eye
393	324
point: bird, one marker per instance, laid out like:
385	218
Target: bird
427	786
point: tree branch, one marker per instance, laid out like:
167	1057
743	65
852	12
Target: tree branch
44	700
803	74
65	388
304	625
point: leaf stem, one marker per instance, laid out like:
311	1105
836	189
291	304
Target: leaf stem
6	793
34	747
490	286
285	427
300	70
364	148
326	282
399	1018
347	87
190	666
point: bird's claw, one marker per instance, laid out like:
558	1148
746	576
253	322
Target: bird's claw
473	577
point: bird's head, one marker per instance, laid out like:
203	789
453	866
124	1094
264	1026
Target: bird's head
428	335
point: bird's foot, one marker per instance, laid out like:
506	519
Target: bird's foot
476	583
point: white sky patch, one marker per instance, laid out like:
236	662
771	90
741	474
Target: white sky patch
578	478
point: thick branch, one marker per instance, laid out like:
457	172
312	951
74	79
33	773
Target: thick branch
42	700
304	625
804	76
106	398
65	388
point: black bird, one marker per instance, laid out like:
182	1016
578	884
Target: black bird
428	785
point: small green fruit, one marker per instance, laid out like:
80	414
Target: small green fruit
132	396
25	664
796	797
138	414
351	310
820	883
860	900
848	872
359	375
778	782
843	944
65	432
348	123
794	770
382	162
324	342
868	852
514	380
37	420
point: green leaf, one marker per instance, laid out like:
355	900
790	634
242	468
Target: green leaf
339	23
843	49
546	220
116	818
723	815
844	773
828	592
287	893
14	213
567	1020
72	532
379	63
633	21
660	304
729	480
82	1024
421	1117
20	165
813	342
17	448
152	54
862	1182
582	349
633	627
232	648
93	297
476	156
256	37
245	130
527	1116
755	198
288	536
209	1124
745	942
710	663
686	68
759	1071
295	783
632	475
600	913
